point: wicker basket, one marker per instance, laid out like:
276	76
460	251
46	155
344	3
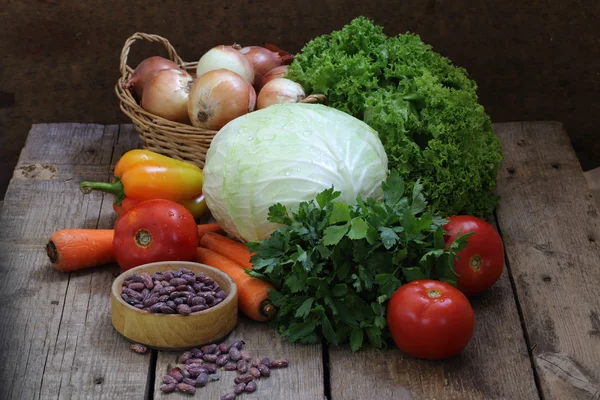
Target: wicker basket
173	139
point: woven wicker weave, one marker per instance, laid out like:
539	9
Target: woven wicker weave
173	139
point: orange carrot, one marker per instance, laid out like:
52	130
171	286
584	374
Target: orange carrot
229	248
253	299
203	229
75	249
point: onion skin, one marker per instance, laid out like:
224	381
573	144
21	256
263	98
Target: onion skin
279	91
218	97
226	57
277	72
167	94
263	60
145	71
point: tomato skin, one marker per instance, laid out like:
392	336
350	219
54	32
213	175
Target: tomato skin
155	230
480	264
430	319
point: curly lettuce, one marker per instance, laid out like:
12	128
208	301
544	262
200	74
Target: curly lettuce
424	108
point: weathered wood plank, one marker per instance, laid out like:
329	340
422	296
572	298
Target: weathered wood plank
303	379
495	365
551	229
111	370
59	342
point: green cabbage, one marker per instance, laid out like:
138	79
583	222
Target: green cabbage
287	154
424	109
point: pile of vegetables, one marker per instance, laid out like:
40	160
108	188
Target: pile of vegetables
230	81
424	108
351	223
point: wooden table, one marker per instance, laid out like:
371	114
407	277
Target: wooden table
537	330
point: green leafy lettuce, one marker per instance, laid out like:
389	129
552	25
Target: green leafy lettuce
424	108
334	266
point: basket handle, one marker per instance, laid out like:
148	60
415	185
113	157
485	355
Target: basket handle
149	38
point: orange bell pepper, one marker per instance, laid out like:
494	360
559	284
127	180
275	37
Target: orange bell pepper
142	175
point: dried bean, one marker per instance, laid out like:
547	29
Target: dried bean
201	307
163	298
157	307
196	301
266	361
132	293
145	292
169	388
136	278
207	289
222	360
167	290
185	388
137	286
169	379
228	396
139	306
223	346
234	354
167	276
183	288
230	367
208	297
242	366
250	387
196	371
139	348
176	373
243	378
189	278
254	371
209	349
150	301
177	281
202	379
255	362
239	388
218	352
221	294
186	271
147	280
184	309
279	364
211	358
175	295
198	286
179	301
186	373
171	304
194	361
264	370
164	283
196	352
238	345
157	276
210	368
214	377
245	355
185	356
189	381
167	310
217	301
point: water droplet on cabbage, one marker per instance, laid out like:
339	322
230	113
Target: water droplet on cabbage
288	172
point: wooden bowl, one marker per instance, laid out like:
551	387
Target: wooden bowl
175	331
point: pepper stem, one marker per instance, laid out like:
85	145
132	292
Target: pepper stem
115	188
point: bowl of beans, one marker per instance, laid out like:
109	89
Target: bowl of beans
174	305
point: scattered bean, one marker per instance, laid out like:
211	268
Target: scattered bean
230	367
139	348
194	361
185	388
254	371
243	378
189	381
266	361
224	347
185	356
222	360
250	387
228	396
279	364
168	388
211	358
210	368
169	379
245	355
202	379
239	388
176	373
234	354
196	352
264	370
238	345
209	349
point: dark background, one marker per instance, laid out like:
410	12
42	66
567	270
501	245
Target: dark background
532	60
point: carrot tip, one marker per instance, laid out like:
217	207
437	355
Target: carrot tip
52	252
267	309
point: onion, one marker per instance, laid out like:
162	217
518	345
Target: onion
145	71
263	60
218	97
167	93
226	57
277	72
279	90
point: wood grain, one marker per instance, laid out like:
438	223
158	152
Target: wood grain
551	229
495	364
60	343
302	380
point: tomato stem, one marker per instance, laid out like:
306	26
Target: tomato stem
143	238
475	262
434	293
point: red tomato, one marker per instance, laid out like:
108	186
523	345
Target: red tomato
430	319
155	230
480	263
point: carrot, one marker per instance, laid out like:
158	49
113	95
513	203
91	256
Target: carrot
75	249
229	248
203	229
253	299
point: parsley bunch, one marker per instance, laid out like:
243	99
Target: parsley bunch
335	265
